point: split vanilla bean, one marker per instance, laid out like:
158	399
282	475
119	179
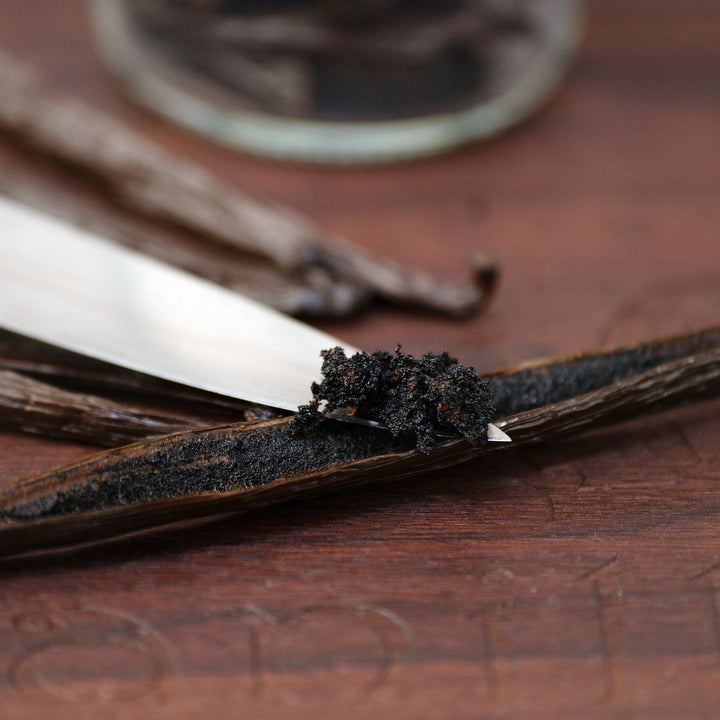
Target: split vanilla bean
203	473
143	178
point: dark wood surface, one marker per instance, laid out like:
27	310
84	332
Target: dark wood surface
578	580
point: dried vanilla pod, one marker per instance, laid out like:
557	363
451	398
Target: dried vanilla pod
203	473
45	390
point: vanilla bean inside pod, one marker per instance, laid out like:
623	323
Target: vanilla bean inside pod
233	468
415	398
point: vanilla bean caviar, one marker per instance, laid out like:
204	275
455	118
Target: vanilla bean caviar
416	398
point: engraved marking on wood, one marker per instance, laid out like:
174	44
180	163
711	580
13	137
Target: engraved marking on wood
714	592
712	576
75	658
323	650
497	626
261	629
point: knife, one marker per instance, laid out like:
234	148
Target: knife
67	287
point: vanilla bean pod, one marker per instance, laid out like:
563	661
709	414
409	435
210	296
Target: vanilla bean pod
48	391
229	469
129	396
409	39
146	179
39	408
283	83
312	292
112	391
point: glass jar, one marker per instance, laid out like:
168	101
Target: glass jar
350	81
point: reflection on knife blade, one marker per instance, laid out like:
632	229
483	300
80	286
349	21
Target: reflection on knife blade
66	287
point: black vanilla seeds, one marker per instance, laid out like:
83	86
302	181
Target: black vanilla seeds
418	399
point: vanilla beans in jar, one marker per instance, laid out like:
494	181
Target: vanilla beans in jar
225	66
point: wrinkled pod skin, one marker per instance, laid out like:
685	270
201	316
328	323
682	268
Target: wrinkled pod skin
202	473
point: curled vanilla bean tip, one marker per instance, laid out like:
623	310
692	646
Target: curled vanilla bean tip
486	272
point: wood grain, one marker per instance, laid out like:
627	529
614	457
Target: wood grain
576	580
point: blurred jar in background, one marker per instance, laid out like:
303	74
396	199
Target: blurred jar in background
341	80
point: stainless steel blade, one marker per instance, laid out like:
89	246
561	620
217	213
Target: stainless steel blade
64	286
67	287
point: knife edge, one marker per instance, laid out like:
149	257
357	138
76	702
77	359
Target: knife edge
68	287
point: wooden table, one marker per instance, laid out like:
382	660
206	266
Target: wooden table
578	580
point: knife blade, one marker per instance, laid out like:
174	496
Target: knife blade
67	287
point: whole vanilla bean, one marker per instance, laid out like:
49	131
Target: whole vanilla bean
144	178
83	390
48	391
312	292
203	473
38	408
